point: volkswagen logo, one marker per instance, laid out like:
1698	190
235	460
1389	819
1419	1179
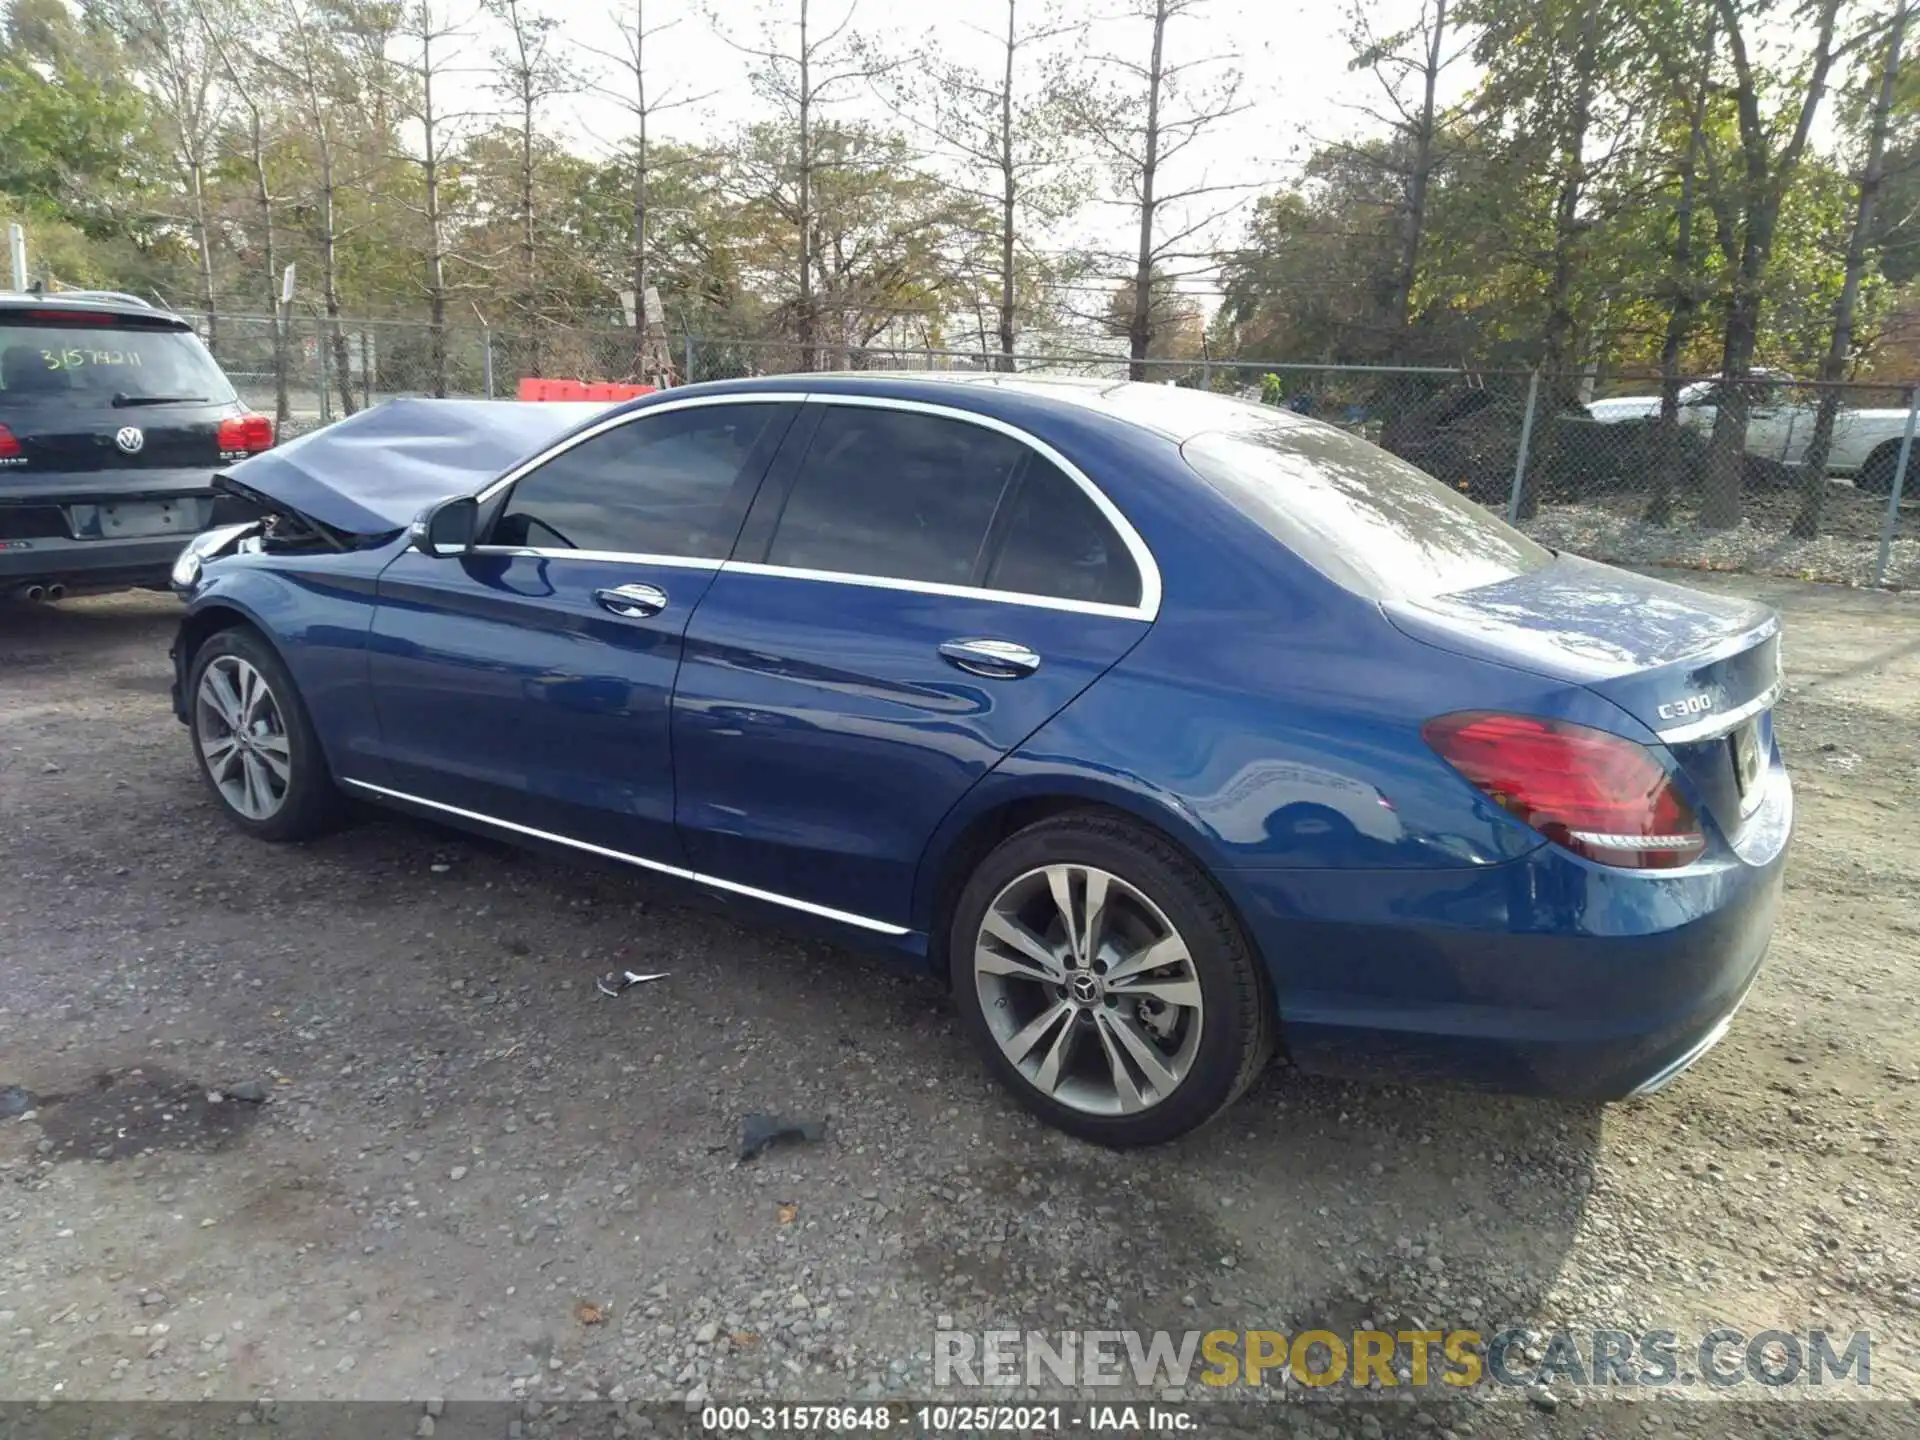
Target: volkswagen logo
131	439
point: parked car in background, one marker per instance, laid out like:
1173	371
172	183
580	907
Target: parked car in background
1170	730
1780	422
113	418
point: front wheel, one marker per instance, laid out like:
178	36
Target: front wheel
1107	982
254	743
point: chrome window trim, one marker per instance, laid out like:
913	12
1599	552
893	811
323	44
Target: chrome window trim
659	867
1147	609
1710	727
612	557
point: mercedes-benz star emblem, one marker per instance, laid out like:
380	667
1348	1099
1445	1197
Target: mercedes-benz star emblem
131	438
1085	988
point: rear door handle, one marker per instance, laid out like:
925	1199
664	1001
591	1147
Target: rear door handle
991	659
635	602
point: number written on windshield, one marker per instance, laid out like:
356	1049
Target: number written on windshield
75	359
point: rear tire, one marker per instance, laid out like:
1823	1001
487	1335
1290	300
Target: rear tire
253	741
1089	1038
1876	474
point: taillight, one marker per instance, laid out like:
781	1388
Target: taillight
1596	794
251	433
9	447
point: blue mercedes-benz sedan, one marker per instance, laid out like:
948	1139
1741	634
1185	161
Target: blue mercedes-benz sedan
1173	731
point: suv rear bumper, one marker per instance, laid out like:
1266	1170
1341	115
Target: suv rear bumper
44	520
89	564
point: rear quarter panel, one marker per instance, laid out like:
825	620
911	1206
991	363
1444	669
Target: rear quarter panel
1269	720
1857	434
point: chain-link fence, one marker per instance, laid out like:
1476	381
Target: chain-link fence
1648	471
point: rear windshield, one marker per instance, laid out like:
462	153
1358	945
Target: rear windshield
101	367
1364	518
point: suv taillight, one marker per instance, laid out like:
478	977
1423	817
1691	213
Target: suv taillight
251	433
9	447
1596	794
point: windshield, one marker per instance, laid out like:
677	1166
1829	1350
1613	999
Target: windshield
97	366
1364	518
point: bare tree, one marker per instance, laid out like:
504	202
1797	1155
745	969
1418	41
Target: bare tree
248	83
430	53
800	76
181	73
531	72
1747	213
1016	131
1410	59
632	61
1167	104
1806	524
1691	79
308	64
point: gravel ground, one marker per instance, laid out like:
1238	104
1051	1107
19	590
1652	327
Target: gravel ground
1847	551
349	1120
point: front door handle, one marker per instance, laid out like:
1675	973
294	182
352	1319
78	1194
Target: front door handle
991	659
635	602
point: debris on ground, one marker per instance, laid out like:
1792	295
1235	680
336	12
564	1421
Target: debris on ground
253	1092
618	982
757	1132
16	1100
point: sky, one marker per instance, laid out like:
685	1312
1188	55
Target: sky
1292	55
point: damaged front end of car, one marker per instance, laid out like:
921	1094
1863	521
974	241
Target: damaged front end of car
275	530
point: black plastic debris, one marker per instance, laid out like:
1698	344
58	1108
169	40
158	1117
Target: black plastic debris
757	1132
16	1100
251	1092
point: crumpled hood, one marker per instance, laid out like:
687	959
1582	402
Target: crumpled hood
373	472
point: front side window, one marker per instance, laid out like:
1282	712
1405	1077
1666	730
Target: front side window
894	494
659	485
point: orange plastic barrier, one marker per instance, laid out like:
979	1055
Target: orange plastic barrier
580	390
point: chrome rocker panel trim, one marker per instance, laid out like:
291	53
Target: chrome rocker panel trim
678	872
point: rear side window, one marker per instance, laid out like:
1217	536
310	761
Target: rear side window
96	366
659	485
1056	542
895	495
1366	519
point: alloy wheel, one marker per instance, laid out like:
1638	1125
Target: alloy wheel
1088	989
242	737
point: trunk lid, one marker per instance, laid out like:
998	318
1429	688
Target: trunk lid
1699	670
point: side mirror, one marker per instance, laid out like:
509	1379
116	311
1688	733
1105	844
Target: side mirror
446	528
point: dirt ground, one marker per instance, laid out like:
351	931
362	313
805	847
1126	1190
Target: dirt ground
475	1177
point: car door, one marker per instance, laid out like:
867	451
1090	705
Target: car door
528	681
917	591
1772	419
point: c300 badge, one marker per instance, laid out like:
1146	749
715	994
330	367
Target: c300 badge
1691	705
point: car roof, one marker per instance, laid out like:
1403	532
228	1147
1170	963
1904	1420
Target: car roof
93	302
1173	412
